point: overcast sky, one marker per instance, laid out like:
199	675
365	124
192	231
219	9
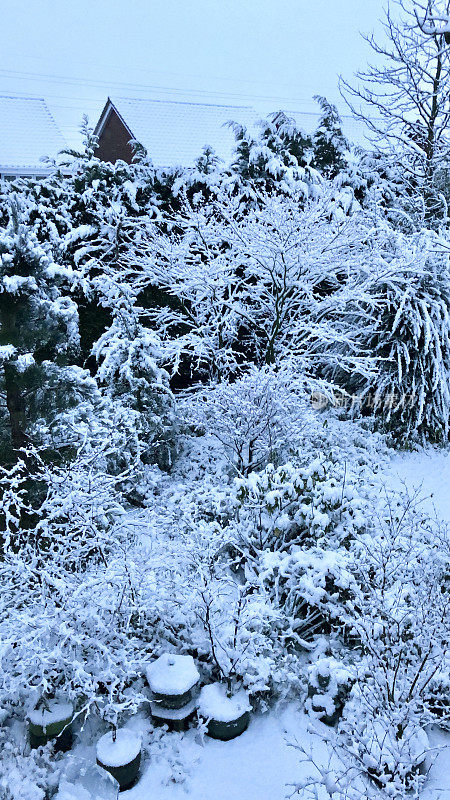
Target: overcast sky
270	54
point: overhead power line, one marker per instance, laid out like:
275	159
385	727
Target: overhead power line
111	86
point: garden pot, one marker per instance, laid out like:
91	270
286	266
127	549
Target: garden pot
172	678
176	719
51	723
173	701
121	757
329	684
226	716
228	730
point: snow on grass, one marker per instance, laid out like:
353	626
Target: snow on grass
257	765
426	471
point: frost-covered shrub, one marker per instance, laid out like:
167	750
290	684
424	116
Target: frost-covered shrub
399	623
401	614
235	633
261	288
293	505
388	748
405	325
254	418
32	776
329	684
295	525
66	609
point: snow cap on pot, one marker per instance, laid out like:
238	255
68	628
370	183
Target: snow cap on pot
226	714
119	753
172	678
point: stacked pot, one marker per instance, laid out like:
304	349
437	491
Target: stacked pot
173	680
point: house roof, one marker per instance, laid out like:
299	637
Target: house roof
28	132
174	133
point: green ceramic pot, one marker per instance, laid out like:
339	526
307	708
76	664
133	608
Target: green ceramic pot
60	732
228	730
126	775
173	700
176	719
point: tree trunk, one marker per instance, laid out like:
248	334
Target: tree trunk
16	408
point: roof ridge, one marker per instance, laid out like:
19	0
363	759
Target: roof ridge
22	97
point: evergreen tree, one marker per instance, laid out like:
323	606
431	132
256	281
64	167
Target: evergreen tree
278	159
38	332
329	143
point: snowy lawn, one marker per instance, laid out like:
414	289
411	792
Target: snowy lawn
259	765
255	766
427	471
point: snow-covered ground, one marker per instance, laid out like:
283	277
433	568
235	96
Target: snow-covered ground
427	471
259	765
255	766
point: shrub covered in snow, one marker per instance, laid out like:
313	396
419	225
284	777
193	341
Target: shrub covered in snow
405	324
329	683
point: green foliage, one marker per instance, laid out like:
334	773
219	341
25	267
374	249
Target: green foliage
329	143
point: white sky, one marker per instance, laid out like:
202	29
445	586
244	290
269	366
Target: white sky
270	54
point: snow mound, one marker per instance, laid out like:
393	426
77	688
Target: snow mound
214	703
172	674
55	712
120	752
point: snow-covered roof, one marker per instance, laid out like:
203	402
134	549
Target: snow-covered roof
175	133
28	132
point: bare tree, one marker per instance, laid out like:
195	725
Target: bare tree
405	98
